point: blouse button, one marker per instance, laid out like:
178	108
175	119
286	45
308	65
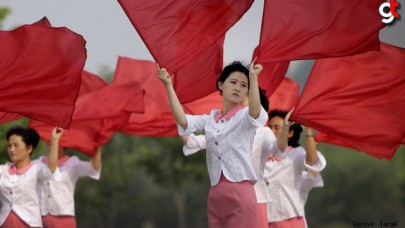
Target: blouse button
49	196
222	120
11	192
216	143
219	157
267	183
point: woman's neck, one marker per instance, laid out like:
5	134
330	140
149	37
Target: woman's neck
227	106
22	164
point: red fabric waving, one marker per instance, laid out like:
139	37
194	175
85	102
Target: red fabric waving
84	136
101	110
175	31
40	70
81	135
198	78
358	100
298	29
286	95
272	76
91	83
322	137
7	116
204	105
186	37
157	119
110	102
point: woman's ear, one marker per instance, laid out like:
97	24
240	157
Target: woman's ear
29	148
290	133
219	83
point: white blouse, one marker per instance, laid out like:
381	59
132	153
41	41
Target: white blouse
288	184
229	143
264	143
19	192
57	196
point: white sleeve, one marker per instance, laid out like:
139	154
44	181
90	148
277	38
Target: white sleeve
194	123
45	174
194	144
260	121
318	166
83	168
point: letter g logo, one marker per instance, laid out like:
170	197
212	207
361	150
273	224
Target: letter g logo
389	16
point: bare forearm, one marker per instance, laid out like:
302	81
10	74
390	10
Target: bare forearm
53	155
176	107
96	160
254	97
184	139
312	156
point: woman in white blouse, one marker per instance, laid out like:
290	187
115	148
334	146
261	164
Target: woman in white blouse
291	178
264	144
229	137
18	178
57	196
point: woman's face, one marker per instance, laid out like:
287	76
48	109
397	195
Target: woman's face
17	150
235	87
276	125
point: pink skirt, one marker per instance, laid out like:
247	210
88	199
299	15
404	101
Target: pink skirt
232	205
52	221
297	222
262	221
13	221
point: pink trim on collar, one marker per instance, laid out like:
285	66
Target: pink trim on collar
228	115
13	169
61	160
274	158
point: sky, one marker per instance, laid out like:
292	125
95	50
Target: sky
110	34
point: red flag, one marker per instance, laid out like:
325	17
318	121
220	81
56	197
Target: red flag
316	29
198	78
81	135
204	105
286	95
101	110
175	31
272	74
91	83
157	119
6	117
40	70
186	37
358	100
322	137
100	100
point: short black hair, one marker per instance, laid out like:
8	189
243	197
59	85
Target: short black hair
29	135
264	100
235	66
